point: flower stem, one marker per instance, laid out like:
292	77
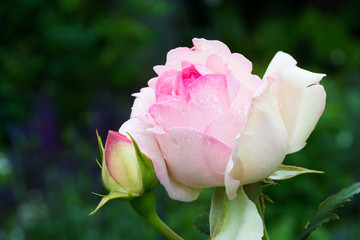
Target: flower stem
261	212
145	206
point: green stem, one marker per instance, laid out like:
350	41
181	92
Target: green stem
164	229
145	206
260	210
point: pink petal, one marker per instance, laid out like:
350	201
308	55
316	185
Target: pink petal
221	60
208	98
165	85
229	124
160	69
233	84
242	63
144	99
210	92
216	64
211	46
152	83
149	146
176	56
194	158
202	50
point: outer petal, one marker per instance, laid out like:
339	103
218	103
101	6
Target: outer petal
198	55
237	219
302	99
148	145
194	158
144	99
260	148
240	66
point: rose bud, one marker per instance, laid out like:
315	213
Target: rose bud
126	172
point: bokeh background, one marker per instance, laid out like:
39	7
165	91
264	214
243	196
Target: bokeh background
68	67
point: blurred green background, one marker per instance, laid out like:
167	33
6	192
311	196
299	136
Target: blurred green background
68	67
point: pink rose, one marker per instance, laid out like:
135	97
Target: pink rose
206	121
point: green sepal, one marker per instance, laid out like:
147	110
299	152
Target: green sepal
268	182
267	198
101	146
97	161
286	172
112	195
148	175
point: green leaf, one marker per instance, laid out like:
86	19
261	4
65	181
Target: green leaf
286	171
327	208
202	224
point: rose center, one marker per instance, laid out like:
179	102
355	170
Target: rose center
189	75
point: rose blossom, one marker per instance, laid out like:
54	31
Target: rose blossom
206	121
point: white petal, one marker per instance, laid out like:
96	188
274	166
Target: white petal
261	147
279	61
302	99
236	219
230	183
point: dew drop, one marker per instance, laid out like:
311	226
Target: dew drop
215	98
176	143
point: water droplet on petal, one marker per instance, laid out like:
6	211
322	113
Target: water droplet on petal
215	98
176	143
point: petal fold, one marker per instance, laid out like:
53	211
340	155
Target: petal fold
261	147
